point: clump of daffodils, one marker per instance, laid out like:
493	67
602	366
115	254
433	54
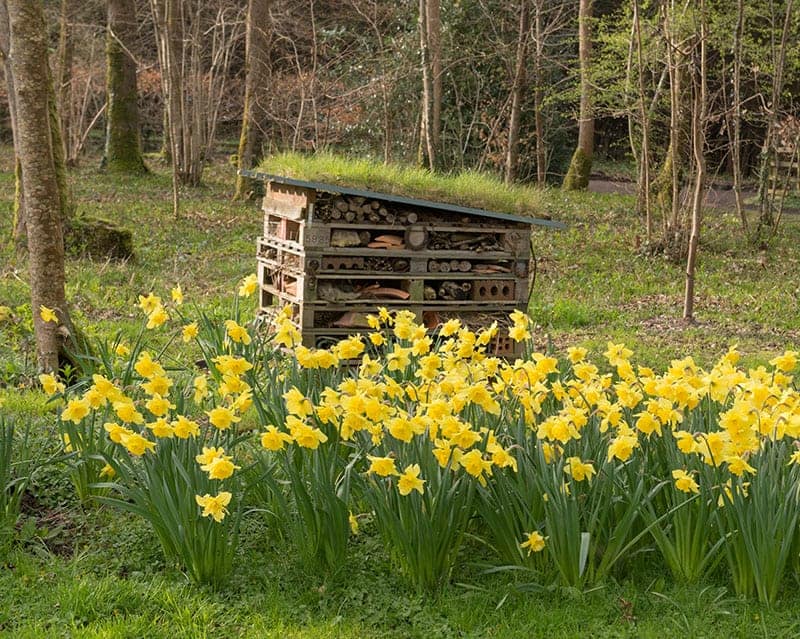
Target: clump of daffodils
414	413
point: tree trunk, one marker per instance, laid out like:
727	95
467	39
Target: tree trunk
644	171
517	89
426	141
123	152
42	198
580	167
18	220
166	14
698	150
538	97
766	217
434	31
736	151
63	79
257	72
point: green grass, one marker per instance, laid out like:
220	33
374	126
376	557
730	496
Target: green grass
111	583
593	285
97	573
469	188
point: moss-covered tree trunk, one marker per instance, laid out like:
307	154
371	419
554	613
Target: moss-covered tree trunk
257	71
580	166
123	153
28	53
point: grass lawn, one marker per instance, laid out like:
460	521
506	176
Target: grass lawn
98	573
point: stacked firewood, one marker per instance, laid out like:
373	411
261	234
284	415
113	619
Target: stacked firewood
360	210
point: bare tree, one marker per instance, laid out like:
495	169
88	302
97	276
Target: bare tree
257	71
517	91
699	117
63	67
196	40
430	47
644	160
766	217
35	149
123	152
581	164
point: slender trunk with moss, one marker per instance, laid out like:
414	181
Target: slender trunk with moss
42	197
256	77
433	24
580	166
426	134
123	151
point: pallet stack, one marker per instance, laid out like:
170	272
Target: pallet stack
336	254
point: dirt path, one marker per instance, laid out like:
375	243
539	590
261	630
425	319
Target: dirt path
720	198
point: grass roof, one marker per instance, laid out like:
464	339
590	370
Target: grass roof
469	188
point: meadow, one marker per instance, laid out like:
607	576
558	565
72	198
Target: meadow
83	569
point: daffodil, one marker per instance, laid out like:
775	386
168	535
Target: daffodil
136	444
534	542
75	410
157	317
147	367
409	480
220	467
237	333
248	286
149	302
50	384
216	507
579	470
189	332
684	481
177	295
222	417
184	427
383	466
48	314
273	439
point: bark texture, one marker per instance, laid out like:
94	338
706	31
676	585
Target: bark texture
42	198
257	72
517	92
123	153
581	165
